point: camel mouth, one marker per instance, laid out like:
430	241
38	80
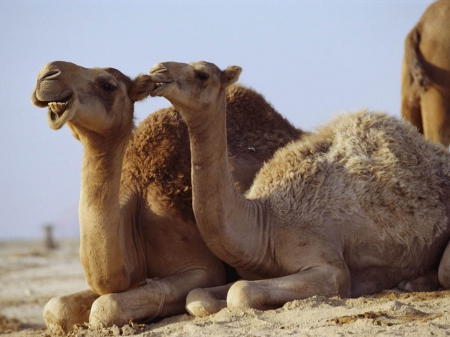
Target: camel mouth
58	108
59	113
159	88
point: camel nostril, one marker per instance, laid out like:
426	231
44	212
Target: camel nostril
51	74
158	68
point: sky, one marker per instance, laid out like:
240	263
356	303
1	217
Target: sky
310	59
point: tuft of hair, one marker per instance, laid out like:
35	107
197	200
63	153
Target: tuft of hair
141	87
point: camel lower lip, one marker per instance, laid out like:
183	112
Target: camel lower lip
56	120
159	88
157	91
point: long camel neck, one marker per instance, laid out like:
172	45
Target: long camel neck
101	224
231	225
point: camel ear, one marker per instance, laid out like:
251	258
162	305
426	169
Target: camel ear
230	75
141	88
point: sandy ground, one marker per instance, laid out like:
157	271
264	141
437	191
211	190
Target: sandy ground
31	275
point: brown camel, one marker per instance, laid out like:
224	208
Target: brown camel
140	248
360	206
426	74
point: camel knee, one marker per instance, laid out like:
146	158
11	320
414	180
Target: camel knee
61	314
107	311
245	294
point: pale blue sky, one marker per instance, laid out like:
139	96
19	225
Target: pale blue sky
310	59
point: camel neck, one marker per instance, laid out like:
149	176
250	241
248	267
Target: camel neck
101	226
224	217
100	175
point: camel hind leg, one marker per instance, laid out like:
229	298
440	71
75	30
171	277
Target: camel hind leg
427	282
444	268
411	110
436	116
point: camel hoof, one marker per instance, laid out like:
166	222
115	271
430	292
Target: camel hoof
201	303
428	282
106	311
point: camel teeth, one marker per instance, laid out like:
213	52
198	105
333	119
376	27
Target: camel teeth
57	107
58	103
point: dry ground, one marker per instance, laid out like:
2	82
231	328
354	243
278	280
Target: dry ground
30	275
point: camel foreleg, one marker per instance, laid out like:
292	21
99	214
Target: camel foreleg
153	298
62	313
326	280
202	302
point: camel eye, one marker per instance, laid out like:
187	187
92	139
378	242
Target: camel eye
108	87
202	76
106	84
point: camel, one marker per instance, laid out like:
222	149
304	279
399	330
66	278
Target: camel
359	206
139	245
426	74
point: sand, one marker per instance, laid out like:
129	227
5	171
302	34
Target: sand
30	275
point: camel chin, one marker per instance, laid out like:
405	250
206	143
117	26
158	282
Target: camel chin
58	114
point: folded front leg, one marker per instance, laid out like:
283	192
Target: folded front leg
62	313
207	301
323	280
153	298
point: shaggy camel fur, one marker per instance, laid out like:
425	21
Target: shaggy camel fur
140	247
426	74
360	206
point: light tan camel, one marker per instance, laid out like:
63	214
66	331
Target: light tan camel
360	206
426	74
140	247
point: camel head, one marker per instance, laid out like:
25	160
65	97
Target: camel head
193	86
99	100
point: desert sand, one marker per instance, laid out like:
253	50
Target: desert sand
30	275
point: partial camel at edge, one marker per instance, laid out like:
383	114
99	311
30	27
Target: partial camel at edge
425	78
140	248
359	206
